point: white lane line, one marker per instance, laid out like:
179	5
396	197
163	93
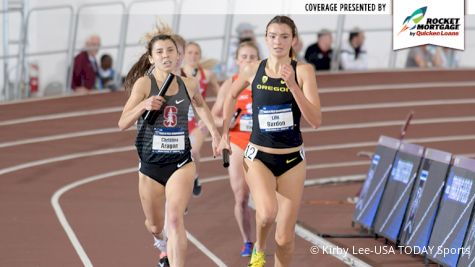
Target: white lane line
400	104
324	109
379	124
62	218
77	244
64	158
335	179
74	239
440	139
43	98
409	140
300	230
61	136
404	86
205	250
338	164
326	245
376	124
206	159
63	115
322	243
308	181
335	89
214	179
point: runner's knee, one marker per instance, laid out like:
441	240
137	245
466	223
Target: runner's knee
174	219
285	240
154	229
242	199
267	216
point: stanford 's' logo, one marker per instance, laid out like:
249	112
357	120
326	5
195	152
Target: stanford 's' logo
170	116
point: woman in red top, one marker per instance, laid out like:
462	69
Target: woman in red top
240	133
207	80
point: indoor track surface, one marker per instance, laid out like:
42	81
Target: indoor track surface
69	184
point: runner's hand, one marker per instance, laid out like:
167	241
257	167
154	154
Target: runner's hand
224	144
287	74
154	102
215	145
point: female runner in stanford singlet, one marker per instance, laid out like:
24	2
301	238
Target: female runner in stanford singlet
166	169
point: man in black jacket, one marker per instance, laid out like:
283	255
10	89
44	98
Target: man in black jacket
319	54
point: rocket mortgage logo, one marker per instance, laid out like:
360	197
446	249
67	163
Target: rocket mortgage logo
431	26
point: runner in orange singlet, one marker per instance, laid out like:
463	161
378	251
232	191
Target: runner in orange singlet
240	134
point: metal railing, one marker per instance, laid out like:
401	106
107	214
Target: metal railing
23	53
75	32
122	44
6	88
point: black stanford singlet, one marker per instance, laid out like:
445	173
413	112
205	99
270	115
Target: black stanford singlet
275	114
168	139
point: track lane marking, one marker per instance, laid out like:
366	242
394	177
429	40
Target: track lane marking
55	202
206	159
56	197
325	128
324	109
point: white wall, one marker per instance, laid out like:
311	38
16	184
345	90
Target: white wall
49	31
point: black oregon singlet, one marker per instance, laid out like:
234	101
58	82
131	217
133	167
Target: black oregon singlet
168	139
275	114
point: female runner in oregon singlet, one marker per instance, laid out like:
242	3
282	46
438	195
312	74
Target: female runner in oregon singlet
207	81
166	169
239	134
274	161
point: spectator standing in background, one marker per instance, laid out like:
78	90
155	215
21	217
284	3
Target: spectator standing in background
85	68
353	54
320	53
425	56
245	32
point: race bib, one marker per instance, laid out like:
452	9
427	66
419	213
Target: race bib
168	141
276	118
250	152
245	123
302	153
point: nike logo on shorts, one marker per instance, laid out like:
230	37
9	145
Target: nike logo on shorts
179	165
290	160
179	101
